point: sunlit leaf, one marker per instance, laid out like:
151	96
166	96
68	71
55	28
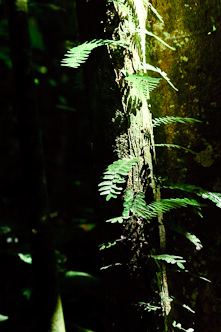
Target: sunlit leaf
25	258
3	318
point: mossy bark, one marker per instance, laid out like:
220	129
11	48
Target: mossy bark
193	28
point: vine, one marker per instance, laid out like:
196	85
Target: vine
124	177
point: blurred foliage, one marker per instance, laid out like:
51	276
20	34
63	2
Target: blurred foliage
64	116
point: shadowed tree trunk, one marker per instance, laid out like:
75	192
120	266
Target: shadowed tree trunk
193	29
46	310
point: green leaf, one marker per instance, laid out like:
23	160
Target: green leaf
175	146
73	274
147	66
25	258
155	12
117	219
114	174
3	318
153	35
171	259
169	119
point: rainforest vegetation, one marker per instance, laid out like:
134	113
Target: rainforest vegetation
110	185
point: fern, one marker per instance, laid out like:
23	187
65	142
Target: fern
113	177
147	306
120	220
167	119
143	84
155	12
135	204
191	237
212	196
179	326
185	306
79	54
147	66
175	146
167	204
171	259
153	35
108	245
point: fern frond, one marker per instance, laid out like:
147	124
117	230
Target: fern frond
212	196
120	220
142	84
166	205
134	203
191	237
185	306
155	36
149	307
179	326
79	54
171	259
147	66
167	119
113	176
108	245
175	146
155	12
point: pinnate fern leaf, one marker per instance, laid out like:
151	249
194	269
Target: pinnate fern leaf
142	84
134	204
155	12
147	66
176	147
115	175
212	196
168	119
79	54
191	237
171	259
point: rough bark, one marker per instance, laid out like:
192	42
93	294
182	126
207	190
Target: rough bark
193	28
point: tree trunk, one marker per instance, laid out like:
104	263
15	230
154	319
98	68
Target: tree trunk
46	314
194	67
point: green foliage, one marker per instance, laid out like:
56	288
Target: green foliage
191	237
153	35
147	306
143	84
79	54
168	119
171	259
113	176
155	12
212	196
3	318
176	147
108	245
72	274
179	326
25	258
167	204
147	66
136	204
